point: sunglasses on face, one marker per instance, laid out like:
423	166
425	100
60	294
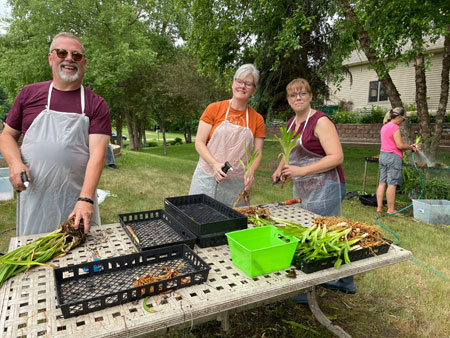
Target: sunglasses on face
299	94
62	54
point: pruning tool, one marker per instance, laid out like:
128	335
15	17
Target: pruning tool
277	204
26	183
225	169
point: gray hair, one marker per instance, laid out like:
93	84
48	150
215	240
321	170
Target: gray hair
248	69
66	35
393	113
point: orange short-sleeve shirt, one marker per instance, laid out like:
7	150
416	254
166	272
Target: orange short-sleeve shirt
215	113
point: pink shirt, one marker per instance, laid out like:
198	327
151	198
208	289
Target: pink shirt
387	139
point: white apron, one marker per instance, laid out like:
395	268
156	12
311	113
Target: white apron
56	150
226	144
320	193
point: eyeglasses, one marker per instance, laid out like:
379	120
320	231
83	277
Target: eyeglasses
245	83
300	94
62	54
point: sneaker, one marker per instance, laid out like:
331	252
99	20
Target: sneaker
112	166
346	285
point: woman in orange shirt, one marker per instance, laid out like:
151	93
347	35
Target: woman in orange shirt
224	128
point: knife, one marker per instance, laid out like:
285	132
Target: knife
277	204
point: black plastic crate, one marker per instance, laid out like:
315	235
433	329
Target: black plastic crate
82	289
325	263
204	215
154	229
207	241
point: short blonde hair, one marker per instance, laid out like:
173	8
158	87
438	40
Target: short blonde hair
297	85
66	35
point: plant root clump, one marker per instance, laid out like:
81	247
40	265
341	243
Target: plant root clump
75	236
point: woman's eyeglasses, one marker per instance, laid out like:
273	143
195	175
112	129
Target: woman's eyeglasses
300	94
245	83
62	54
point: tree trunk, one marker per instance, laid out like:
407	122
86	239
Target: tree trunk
163	131
443	100
188	133
136	136
377	64
421	98
119	122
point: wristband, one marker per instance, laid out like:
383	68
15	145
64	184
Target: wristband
85	199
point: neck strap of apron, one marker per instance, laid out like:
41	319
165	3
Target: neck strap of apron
81	97
306	122
246	113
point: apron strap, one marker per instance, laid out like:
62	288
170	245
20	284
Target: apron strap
304	127
228	110
81	97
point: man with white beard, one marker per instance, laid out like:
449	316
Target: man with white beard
66	129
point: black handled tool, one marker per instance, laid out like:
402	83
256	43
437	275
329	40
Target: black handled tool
24	177
225	169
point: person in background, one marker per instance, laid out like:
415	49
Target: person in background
315	164
223	129
66	130
110	159
391	158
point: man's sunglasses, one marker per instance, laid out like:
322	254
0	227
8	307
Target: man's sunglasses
62	54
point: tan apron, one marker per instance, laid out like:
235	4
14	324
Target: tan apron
56	150
320	193
226	144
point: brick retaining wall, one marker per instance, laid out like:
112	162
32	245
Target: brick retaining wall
362	132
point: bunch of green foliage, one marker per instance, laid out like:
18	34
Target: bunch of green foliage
373	115
345	117
434	187
176	141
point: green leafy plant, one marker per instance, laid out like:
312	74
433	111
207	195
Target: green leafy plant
249	160
247	166
288	142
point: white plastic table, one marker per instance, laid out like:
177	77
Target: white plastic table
28	305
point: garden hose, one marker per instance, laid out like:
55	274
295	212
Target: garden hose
405	208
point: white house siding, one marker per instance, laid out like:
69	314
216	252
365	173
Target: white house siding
403	77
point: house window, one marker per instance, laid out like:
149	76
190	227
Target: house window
376	92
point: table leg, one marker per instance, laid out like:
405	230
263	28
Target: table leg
364	178
320	316
224	319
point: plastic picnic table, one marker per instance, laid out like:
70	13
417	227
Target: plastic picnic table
28	304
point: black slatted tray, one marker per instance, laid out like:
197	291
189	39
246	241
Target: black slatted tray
325	263
204	215
154	229
216	239
82	289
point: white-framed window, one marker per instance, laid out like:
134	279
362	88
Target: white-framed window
377	92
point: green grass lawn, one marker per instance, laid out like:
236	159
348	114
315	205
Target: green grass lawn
403	300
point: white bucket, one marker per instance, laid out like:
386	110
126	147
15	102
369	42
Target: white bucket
6	189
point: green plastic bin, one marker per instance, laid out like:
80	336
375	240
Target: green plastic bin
258	251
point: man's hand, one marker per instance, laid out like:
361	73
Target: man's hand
82	211
15	177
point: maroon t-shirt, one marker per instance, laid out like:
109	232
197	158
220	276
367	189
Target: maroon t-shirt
33	99
310	141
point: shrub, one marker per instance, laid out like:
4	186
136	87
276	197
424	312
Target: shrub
176	141
373	115
152	144
344	117
435	187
